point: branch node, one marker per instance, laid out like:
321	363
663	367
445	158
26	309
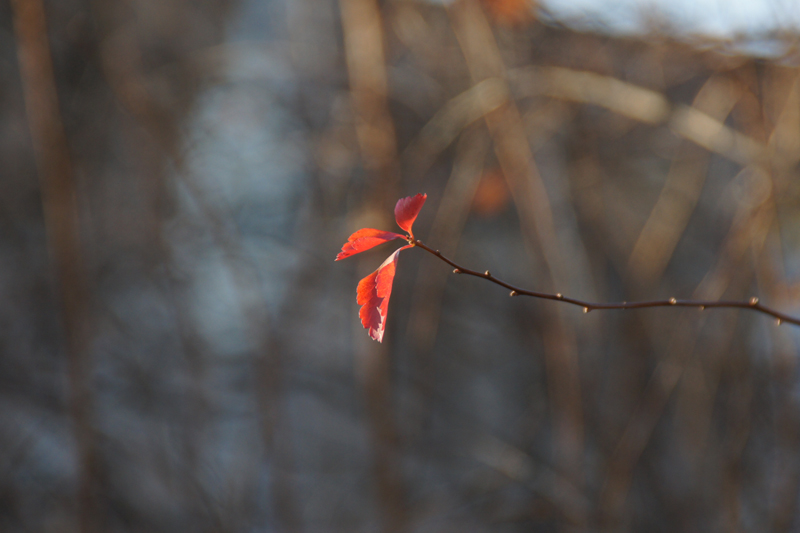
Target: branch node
456	271
559	296
673	301
779	322
702	307
586	309
513	293
488	274
753	301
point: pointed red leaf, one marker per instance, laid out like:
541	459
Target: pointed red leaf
364	239
373	295
407	209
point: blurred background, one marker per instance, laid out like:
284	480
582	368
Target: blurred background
181	353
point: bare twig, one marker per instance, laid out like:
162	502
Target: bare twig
752	304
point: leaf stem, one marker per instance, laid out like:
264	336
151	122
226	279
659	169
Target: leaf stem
752	304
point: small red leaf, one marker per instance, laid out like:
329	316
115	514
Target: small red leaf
364	239
407	209
373	295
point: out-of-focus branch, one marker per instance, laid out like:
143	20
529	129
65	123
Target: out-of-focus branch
63	234
683	185
752	304
644	105
484	61
362	28
748	232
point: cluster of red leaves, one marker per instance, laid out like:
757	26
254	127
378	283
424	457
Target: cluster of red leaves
374	291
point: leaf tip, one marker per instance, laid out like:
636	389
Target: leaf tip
407	209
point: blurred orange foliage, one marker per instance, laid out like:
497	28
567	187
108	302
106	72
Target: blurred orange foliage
492	194
511	12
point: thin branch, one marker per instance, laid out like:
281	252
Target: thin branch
752	304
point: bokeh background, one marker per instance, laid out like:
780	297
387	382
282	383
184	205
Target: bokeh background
181	353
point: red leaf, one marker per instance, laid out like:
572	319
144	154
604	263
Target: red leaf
407	209
364	239
373	295
374	291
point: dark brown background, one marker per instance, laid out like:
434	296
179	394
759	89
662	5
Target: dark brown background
179	352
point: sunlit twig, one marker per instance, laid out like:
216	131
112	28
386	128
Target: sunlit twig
752	304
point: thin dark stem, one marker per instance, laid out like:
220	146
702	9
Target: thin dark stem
752	304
